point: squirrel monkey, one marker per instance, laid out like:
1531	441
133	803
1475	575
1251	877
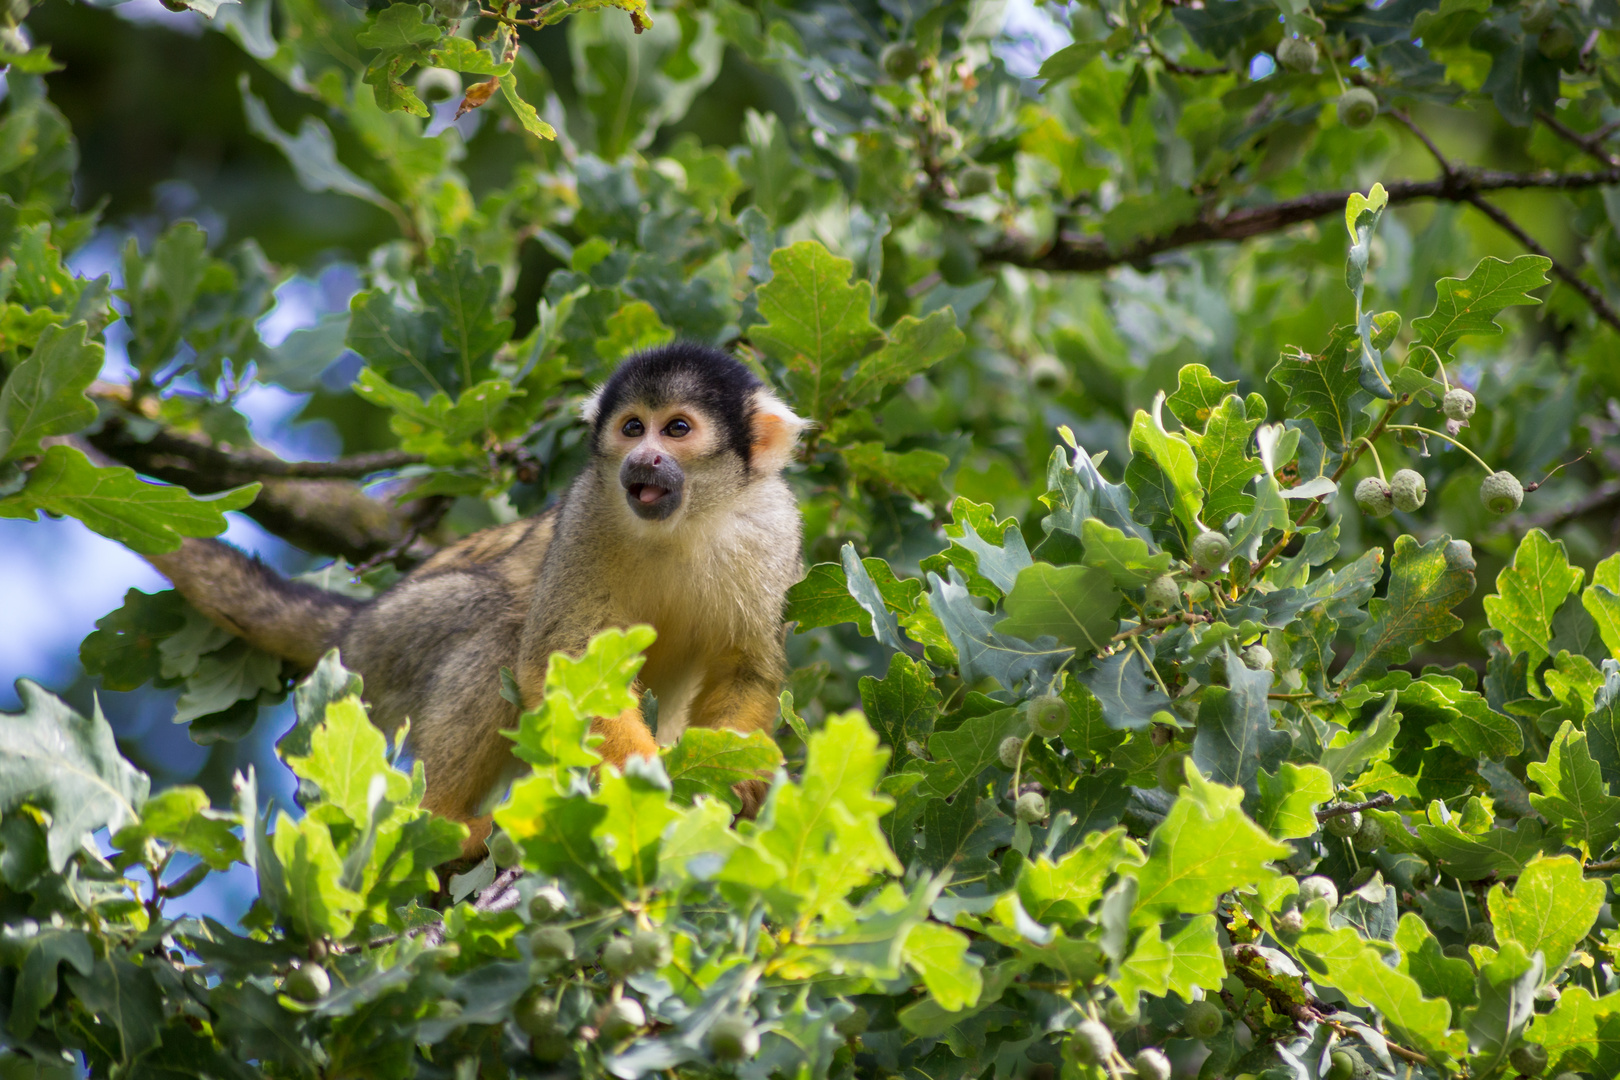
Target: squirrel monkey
681	520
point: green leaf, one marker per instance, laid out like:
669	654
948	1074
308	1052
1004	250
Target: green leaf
237	672
44	395
182	816
964	752
1529	594
1497	851
915	472
1236	738
1552	908
1575	796
1127	559
913	346
1326	389
127	1004
1368	980
1470	306
1198	394
638	810
710	760
150	518
123	650
1581	1033
816	323
556	830
465	296
819	838
1175	478
901	706
1224	465
1425	582
1436	974
55	760
1289	799
315	905
982	651
466	56
1125	689
1460	718
347	755
597	683
1603	604
1204	847
1074	604
43	950
312	153
405	347
1062	893
526	114
940	955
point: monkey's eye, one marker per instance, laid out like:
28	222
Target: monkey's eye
633	428
676	428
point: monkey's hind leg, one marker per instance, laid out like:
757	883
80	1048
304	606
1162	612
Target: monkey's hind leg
739	695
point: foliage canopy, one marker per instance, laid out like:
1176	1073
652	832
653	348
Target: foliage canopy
1138	724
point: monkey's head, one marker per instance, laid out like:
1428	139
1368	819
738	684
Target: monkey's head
688	427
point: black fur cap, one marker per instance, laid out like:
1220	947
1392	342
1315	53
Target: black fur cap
719	385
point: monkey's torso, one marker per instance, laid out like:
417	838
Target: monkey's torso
432	647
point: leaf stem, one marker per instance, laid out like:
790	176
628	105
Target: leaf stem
1350	458
1137	645
1443	435
1377	461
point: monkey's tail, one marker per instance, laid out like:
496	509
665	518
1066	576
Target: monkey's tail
288	619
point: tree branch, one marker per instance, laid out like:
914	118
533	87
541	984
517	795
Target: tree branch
317	513
1082	253
1508	225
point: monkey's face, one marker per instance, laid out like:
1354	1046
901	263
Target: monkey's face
657	448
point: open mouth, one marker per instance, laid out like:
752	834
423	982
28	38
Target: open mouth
646	494
652	502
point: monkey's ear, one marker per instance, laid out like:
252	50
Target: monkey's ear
775	432
591	406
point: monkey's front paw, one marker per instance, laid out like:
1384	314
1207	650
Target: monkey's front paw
752	793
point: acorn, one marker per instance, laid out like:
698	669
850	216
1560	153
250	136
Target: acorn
307	983
1151	1064
975	180
437	84
1458	404
1556	42
1537	17
1501	492
650	949
1258	657
551	943
1409	490
1296	54
504	850
618	957
1289	924
1162	596
1091	1043
620	1019
1374	497
1529	1058
1210	549
900	60
1344	824
1030	808
1172	772
1047	373
1481	933
547	902
1202	1020
1317	887
1370	837
1358	107
1341	1066
1049	716
537	1017
732	1038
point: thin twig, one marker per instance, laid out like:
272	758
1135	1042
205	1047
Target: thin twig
1446	168
1158	624
1593	297
1381	799
1588	144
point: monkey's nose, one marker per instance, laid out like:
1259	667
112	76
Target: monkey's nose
658	459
